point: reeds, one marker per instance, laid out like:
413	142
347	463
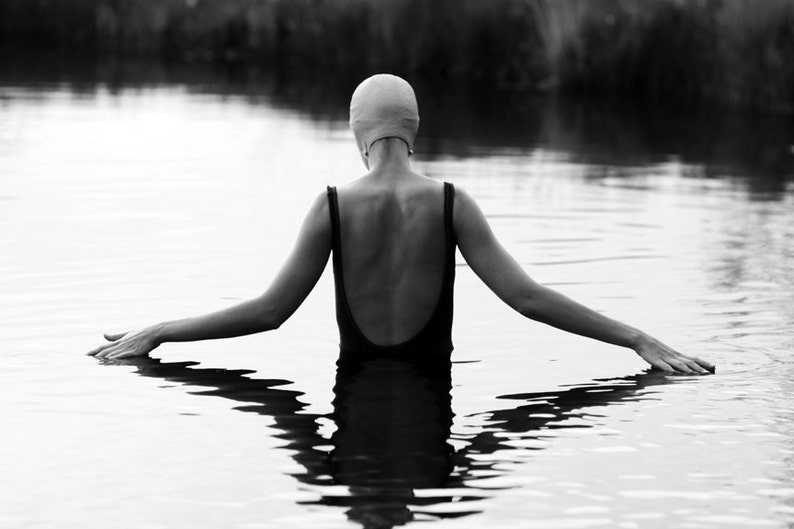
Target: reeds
735	51
693	51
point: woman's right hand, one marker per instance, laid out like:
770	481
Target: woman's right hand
128	344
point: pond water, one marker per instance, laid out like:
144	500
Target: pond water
128	200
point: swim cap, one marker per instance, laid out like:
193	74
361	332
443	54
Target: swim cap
384	106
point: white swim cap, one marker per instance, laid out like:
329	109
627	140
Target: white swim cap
384	106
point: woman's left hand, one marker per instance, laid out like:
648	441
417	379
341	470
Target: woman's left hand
127	345
665	358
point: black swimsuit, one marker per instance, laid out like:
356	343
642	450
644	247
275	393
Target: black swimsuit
435	337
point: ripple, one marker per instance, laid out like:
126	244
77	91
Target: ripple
619	449
696	496
778	493
734	520
591	260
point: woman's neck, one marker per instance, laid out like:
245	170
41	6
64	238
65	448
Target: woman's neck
388	154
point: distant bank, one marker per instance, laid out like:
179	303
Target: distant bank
716	51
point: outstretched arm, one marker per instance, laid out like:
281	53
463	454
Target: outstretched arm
500	271
292	284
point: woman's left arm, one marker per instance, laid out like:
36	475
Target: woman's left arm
292	284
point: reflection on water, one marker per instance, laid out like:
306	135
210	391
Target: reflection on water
392	422
710	142
134	192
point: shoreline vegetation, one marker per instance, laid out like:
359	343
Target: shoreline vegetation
716	52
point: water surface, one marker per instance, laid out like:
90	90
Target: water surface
130	199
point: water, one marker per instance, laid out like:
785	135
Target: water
132	201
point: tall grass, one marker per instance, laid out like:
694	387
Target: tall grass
736	51
691	51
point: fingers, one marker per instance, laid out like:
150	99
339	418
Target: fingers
662	366
124	345
681	366
101	351
124	354
106	350
114	336
668	360
708	366
98	350
119	350
678	363
696	365
115	355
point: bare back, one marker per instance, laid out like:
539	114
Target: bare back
393	254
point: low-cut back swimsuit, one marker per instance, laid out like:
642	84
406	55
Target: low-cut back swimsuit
434	339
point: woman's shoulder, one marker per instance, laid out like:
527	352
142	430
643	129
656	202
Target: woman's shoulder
411	183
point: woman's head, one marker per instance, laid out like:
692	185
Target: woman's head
383	106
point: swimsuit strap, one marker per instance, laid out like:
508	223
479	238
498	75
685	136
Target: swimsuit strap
449	226
336	241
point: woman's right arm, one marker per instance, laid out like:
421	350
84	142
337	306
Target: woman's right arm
296	278
505	277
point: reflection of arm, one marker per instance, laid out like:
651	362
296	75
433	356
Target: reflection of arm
268	397
542	415
497	268
292	284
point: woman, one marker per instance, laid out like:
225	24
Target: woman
393	235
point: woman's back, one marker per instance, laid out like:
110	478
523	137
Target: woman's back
394	257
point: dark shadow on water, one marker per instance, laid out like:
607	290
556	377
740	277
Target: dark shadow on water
754	151
393	422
